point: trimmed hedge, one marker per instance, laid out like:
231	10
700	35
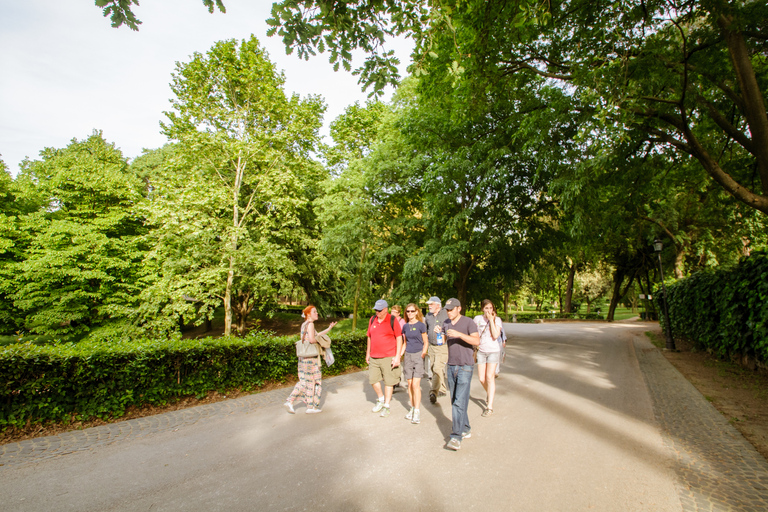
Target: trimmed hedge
528	318
80	381
724	311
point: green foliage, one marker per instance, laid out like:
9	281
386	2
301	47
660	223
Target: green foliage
666	69
725	310
532	317
120	12
82	245
101	378
231	200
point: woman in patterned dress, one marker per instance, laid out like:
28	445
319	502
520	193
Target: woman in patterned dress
310	385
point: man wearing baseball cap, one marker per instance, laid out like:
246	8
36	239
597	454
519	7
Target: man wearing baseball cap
382	354
437	350
462	336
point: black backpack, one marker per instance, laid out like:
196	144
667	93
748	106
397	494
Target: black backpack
391	322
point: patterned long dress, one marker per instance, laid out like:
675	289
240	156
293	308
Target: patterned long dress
310	385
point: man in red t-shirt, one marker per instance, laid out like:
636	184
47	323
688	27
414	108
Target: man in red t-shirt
385	341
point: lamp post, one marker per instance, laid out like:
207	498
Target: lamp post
658	245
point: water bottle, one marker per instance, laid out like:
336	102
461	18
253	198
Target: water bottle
439	338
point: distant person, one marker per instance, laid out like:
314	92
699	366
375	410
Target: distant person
397	313
503	351
416	343
310	385
382	354
489	351
438	350
462	336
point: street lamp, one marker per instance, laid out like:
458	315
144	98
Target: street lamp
658	245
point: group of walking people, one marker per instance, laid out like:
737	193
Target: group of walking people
451	343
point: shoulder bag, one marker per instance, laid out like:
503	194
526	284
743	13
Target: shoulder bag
306	349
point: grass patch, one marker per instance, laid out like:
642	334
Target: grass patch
657	340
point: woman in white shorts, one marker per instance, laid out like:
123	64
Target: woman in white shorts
488	353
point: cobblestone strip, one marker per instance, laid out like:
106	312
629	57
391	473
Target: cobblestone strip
718	470
42	448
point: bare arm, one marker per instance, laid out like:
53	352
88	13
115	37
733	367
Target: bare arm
426	344
396	359
329	328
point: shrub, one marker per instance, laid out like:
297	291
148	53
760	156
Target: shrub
102	378
725	311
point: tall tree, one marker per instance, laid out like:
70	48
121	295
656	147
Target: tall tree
13	242
229	203
351	221
79	269
689	74
477	175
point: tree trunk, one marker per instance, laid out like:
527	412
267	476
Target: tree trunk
618	279
569	288
754	104
239	171
243	308
506	306
679	261
357	288
461	282
228	298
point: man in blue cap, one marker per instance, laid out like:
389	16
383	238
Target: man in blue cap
382	353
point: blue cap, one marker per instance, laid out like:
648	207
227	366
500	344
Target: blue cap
434	300
380	304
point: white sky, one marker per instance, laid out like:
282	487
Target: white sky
64	71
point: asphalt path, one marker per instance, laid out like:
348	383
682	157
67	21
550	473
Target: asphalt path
573	429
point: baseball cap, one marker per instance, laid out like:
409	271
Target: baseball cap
433	299
452	303
380	304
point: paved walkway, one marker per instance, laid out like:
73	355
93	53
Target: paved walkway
589	416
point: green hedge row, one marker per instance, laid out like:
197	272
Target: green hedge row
532	317
724	311
80	381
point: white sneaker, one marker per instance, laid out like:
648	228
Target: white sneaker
289	407
313	411
409	416
378	406
416	417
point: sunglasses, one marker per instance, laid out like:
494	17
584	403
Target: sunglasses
410	310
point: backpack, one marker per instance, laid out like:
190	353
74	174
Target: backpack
391	322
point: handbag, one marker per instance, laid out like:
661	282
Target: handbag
306	349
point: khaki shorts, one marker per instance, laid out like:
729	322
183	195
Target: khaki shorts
413	365
381	368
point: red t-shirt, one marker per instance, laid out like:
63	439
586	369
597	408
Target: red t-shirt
383	337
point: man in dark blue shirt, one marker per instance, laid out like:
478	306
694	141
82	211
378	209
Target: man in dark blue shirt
462	336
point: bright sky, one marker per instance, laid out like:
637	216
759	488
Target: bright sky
64	71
